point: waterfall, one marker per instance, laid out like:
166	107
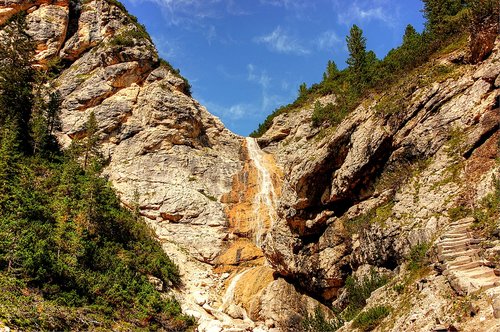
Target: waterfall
229	295
265	199
253	214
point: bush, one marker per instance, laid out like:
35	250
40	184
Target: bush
371	318
187	86
130	37
376	215
418	256
358	291
319	323
487	214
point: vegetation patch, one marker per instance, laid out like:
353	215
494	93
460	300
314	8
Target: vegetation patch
371	318
117	4
458	212
319	323
399	288
210	197
329	112
366	76
417	259
487	215
376	215
187	86
129	37
359	290
71	257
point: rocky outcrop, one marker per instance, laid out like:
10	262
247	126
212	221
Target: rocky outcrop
485	30
208	194
165	151
256	234
382	181
459	252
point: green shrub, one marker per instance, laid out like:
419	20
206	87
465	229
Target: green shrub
376	215
117	4
371	318
399	288
187	86
358	291
487	214
418	256
130	37
319	323
458	212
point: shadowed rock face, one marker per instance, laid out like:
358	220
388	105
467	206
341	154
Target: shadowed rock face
334	178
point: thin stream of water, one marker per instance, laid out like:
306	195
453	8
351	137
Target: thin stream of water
265	199
229	295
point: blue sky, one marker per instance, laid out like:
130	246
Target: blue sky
244	58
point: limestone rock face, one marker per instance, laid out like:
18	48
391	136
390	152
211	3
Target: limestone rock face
379	183
165	152
47	23
362	193
48	26
280	302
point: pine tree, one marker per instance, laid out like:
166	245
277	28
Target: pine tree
91	152
16	79
356	45
439	14
44	120
9	157
302	90
331	71
371	68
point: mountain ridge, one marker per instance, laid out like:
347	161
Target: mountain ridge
360	202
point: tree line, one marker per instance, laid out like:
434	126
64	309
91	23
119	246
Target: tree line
446	20
65	239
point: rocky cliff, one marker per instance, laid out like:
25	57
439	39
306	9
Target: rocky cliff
159	142
204	190
403	187
397	174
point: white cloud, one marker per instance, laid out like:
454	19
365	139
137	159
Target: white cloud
288	4
328	40
300	9
260	78
271	96
384	11
285	85
279	41
232	112
211	34
193	12
268	100
167	48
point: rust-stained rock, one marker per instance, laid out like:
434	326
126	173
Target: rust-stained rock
241	252
251	208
